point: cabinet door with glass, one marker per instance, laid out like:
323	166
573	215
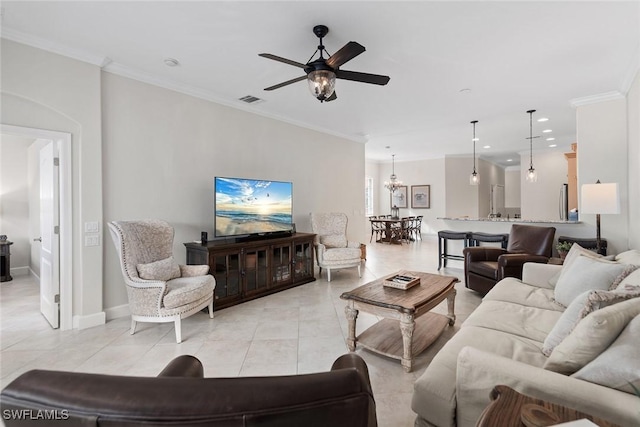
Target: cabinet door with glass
303	259
226	268
256	270
281	264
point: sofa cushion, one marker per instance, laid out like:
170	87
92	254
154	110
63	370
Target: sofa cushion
516	291
633	279
629	257
516	319
185	290
334	241
434	396
580	307
584	274
591	336
193	270
165	269
619	365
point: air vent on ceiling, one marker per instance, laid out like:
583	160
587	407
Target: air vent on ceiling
249	99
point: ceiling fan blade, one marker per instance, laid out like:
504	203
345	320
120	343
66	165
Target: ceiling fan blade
281	59
332	97
375	79
346	53
288	82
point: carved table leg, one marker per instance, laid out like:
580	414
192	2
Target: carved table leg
352	315
451	299
407	325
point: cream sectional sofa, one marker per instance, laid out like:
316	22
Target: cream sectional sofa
501	343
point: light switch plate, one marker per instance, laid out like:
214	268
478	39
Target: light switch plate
91	227
92	240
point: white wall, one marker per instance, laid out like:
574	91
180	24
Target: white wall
462	199
490	174
633	177
512	189
14	200
160	162
43	90
603	155
540	200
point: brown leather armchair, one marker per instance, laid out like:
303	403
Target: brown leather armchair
485	266
181	396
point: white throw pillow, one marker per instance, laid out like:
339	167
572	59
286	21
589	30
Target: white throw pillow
591	336
619	365
585	274
165	269
629	257
584	304
573	254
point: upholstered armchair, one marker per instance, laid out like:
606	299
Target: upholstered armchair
341	397
485	266
333	250
159	290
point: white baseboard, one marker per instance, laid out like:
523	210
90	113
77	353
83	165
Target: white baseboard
34	275
19	271
84	322
118	311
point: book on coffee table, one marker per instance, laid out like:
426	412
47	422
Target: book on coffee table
401	281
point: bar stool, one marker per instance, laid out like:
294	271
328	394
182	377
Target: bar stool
443	237
478	237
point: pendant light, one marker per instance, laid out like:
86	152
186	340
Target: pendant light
532	175
474	178
393	184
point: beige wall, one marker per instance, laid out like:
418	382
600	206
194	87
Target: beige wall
161	161
633	134
512	189
540	200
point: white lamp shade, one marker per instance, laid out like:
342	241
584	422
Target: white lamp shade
600	198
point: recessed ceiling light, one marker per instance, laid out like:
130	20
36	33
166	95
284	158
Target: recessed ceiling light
475	139
487	146
543	119
170	62
553	145
509	160
551	139
547	131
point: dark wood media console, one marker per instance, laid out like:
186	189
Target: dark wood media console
252	269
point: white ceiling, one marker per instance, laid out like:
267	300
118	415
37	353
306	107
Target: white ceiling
513	56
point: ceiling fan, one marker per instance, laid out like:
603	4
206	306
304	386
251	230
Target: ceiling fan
322	73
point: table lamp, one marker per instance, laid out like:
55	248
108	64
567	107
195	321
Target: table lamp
599	199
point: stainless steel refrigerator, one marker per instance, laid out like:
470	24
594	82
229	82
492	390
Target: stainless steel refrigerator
563	202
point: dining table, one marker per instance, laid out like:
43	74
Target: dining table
392	229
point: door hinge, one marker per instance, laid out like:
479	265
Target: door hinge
56	229
56	298
56	161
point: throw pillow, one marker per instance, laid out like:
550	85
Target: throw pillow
573	254
591	336
584	274
618	366
632	279
580	307
193	270
334	241
629	257
165	269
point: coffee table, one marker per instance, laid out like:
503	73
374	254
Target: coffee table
418	327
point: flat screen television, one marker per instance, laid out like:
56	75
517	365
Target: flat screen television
252	207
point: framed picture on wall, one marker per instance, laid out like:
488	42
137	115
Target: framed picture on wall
420	196
399	197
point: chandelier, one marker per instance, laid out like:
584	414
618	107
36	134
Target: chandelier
393	184
532	175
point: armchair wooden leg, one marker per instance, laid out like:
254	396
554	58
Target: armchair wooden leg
359	274
211	310
328	274
133	327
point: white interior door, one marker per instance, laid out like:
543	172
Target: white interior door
49	253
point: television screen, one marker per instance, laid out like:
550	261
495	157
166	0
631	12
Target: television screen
252	206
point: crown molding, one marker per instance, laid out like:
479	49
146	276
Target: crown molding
632	71
593	99
40	43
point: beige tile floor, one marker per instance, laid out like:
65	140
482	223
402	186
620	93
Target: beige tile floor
297	331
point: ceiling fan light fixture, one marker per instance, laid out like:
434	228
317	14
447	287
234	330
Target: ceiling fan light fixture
322	84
